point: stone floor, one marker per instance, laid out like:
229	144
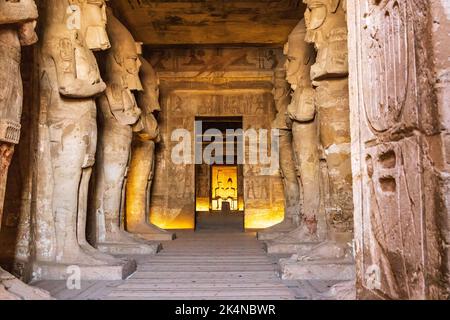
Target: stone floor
204	265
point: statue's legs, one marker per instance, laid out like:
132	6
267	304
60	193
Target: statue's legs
306	143
334	117
68	151
138	190
291	189
115	151
82	217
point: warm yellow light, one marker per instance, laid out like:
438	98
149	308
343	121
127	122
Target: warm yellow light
202	204
224	187
263	218
177	224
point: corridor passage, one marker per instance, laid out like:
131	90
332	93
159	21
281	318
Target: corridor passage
204	265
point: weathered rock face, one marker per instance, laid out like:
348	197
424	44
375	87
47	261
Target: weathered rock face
399	116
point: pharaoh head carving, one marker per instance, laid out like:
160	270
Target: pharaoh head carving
148	100
92	22
124	55
300	56
327	30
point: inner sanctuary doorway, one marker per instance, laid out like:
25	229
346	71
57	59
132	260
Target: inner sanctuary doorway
219	180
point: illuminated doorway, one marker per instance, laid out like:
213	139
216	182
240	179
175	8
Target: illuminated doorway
220	186
224	188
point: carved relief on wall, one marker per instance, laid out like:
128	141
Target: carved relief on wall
204	62
395	121
386	43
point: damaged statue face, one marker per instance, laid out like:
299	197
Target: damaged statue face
89	17
327	30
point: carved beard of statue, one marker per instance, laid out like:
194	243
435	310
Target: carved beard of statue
92	23
299	54
327	29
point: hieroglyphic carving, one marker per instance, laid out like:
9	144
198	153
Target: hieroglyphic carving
395	149
204	62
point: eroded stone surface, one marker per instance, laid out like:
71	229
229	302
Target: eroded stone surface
400	163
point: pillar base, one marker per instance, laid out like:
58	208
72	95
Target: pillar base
57	271
338	270
157	236
12	288
129	248
276	231
151	232
274	247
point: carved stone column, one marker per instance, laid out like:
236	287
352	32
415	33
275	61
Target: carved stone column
69	82
291	186
118	113
327	30
17	21
142	164
302	113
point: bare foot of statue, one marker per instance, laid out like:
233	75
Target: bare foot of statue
328	250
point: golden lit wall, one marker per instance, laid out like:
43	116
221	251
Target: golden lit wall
211	83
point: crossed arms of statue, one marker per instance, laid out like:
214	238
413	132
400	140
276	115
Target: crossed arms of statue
62	51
